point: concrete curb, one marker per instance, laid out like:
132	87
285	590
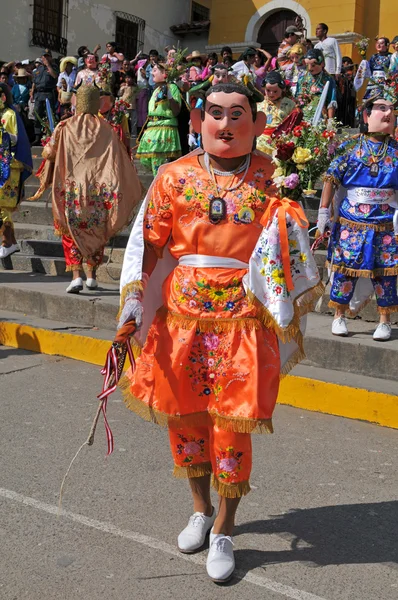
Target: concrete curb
296	391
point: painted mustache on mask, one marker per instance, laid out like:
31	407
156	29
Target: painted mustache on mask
225	135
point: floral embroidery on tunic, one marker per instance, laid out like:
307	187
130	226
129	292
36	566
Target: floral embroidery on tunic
191	448
272	267
198	193
211	368
102	200
210	298
228	463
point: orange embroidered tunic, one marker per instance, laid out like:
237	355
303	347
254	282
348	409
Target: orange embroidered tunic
207	354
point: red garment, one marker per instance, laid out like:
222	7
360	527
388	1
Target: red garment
74	258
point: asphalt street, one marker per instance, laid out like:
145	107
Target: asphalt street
320	523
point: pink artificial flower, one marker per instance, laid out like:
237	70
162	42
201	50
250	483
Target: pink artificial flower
291	181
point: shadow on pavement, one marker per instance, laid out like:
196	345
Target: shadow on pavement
330	535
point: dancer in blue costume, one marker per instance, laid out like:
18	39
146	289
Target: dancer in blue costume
363	249
375	69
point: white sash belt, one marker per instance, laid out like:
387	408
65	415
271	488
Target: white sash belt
376	196
363	195
203	260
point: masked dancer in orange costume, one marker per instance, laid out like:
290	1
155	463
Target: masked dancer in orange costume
210	366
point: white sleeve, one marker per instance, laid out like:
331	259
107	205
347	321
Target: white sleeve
362	74
338	57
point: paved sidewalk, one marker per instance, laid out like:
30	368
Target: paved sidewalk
319	524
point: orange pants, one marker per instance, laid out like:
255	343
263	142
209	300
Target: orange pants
74	258
199	451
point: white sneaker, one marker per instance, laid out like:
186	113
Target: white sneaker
220	563
75	286
339	326
4	252
91	284
382	332
193	536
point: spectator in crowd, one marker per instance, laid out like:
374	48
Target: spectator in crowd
21	89
196	70
226	52
330	49
4	78
65	84
82	53
153	60
347	97
262	64
44	87
245	66
212	59
228	61
126	67
143	91
308	44
292	36
128	93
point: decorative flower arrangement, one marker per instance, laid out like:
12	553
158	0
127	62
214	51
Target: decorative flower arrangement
120	109
302	156
104	69
362	46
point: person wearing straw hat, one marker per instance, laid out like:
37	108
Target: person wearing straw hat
21	89
196	70
65	84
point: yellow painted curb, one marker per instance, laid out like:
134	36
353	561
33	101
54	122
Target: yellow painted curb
300	392
58	343
339	400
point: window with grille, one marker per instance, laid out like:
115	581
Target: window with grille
129	35
50	21
199	12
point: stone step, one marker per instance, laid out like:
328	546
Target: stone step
31	231
34	213
108	272
53	249
45	297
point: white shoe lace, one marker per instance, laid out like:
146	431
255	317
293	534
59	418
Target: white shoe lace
220	543
341	321
197	519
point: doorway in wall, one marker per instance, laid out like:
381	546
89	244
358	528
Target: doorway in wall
272	31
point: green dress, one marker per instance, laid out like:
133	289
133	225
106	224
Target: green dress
160	141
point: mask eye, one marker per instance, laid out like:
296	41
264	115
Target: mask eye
236	114
216	113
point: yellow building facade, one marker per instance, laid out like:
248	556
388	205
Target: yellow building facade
242	23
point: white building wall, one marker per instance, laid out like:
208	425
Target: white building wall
91	23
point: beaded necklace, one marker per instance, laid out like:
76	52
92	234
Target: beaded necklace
375	157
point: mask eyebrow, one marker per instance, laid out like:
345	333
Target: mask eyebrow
214	106
238	106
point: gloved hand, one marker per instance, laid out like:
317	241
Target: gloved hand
323	219
133	309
